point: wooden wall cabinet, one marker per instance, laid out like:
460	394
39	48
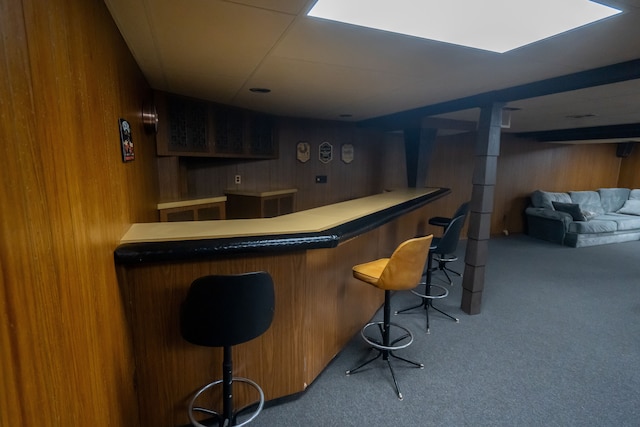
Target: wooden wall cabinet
193	210
197	128
259	204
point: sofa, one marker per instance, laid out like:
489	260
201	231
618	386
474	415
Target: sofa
585	218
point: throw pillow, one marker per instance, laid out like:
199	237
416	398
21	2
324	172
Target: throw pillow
572	209
631	207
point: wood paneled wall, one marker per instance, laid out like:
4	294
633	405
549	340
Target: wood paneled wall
378	164
523	166
630	169
66	78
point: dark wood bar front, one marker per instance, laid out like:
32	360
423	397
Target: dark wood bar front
319	305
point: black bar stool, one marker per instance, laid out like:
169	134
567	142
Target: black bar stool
444	258
222	311
440	246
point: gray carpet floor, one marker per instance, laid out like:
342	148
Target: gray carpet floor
557	344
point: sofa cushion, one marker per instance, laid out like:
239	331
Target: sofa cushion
625	222
572	209
612	199
589	201
635	194
593	226
543	199
630	207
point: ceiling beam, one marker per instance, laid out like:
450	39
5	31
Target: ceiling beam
450	124
587	133
609	74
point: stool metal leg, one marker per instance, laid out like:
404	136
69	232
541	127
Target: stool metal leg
227	385
228	416
442	266
427	297
386	348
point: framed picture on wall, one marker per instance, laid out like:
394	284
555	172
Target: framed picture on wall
126	141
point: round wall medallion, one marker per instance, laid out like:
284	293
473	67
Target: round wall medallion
150	117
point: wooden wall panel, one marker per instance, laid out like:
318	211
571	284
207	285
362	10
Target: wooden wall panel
378	164
67	198
630	169
451	167
170	369
523	166
343	304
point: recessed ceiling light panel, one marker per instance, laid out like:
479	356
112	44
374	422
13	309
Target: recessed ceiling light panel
495	25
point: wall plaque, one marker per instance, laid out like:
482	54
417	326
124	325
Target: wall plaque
325	152
126	142
347	153
303	151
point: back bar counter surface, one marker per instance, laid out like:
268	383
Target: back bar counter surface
319	305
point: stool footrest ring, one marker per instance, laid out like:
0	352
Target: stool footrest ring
443	292
408	335
193	408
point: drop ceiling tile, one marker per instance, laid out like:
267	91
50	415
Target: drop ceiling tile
291	7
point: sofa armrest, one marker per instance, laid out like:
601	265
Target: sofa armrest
547	224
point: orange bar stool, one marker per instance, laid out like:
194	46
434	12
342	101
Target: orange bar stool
222	311
400	272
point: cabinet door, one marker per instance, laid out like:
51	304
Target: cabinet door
229	132
195	128
178	215
261	138
286	204
270	207
187	126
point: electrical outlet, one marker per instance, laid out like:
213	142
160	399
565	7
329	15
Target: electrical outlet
238	179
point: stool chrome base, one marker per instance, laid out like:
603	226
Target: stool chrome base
385	348
442	266
222	421
427	302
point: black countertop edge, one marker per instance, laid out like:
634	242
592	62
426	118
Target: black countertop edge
370	222
147	252
181	250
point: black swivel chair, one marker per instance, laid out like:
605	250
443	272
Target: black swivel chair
447	244
222	311
443	222
444	259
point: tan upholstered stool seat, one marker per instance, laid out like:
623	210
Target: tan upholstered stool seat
370	272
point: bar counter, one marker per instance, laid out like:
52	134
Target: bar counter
319	305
